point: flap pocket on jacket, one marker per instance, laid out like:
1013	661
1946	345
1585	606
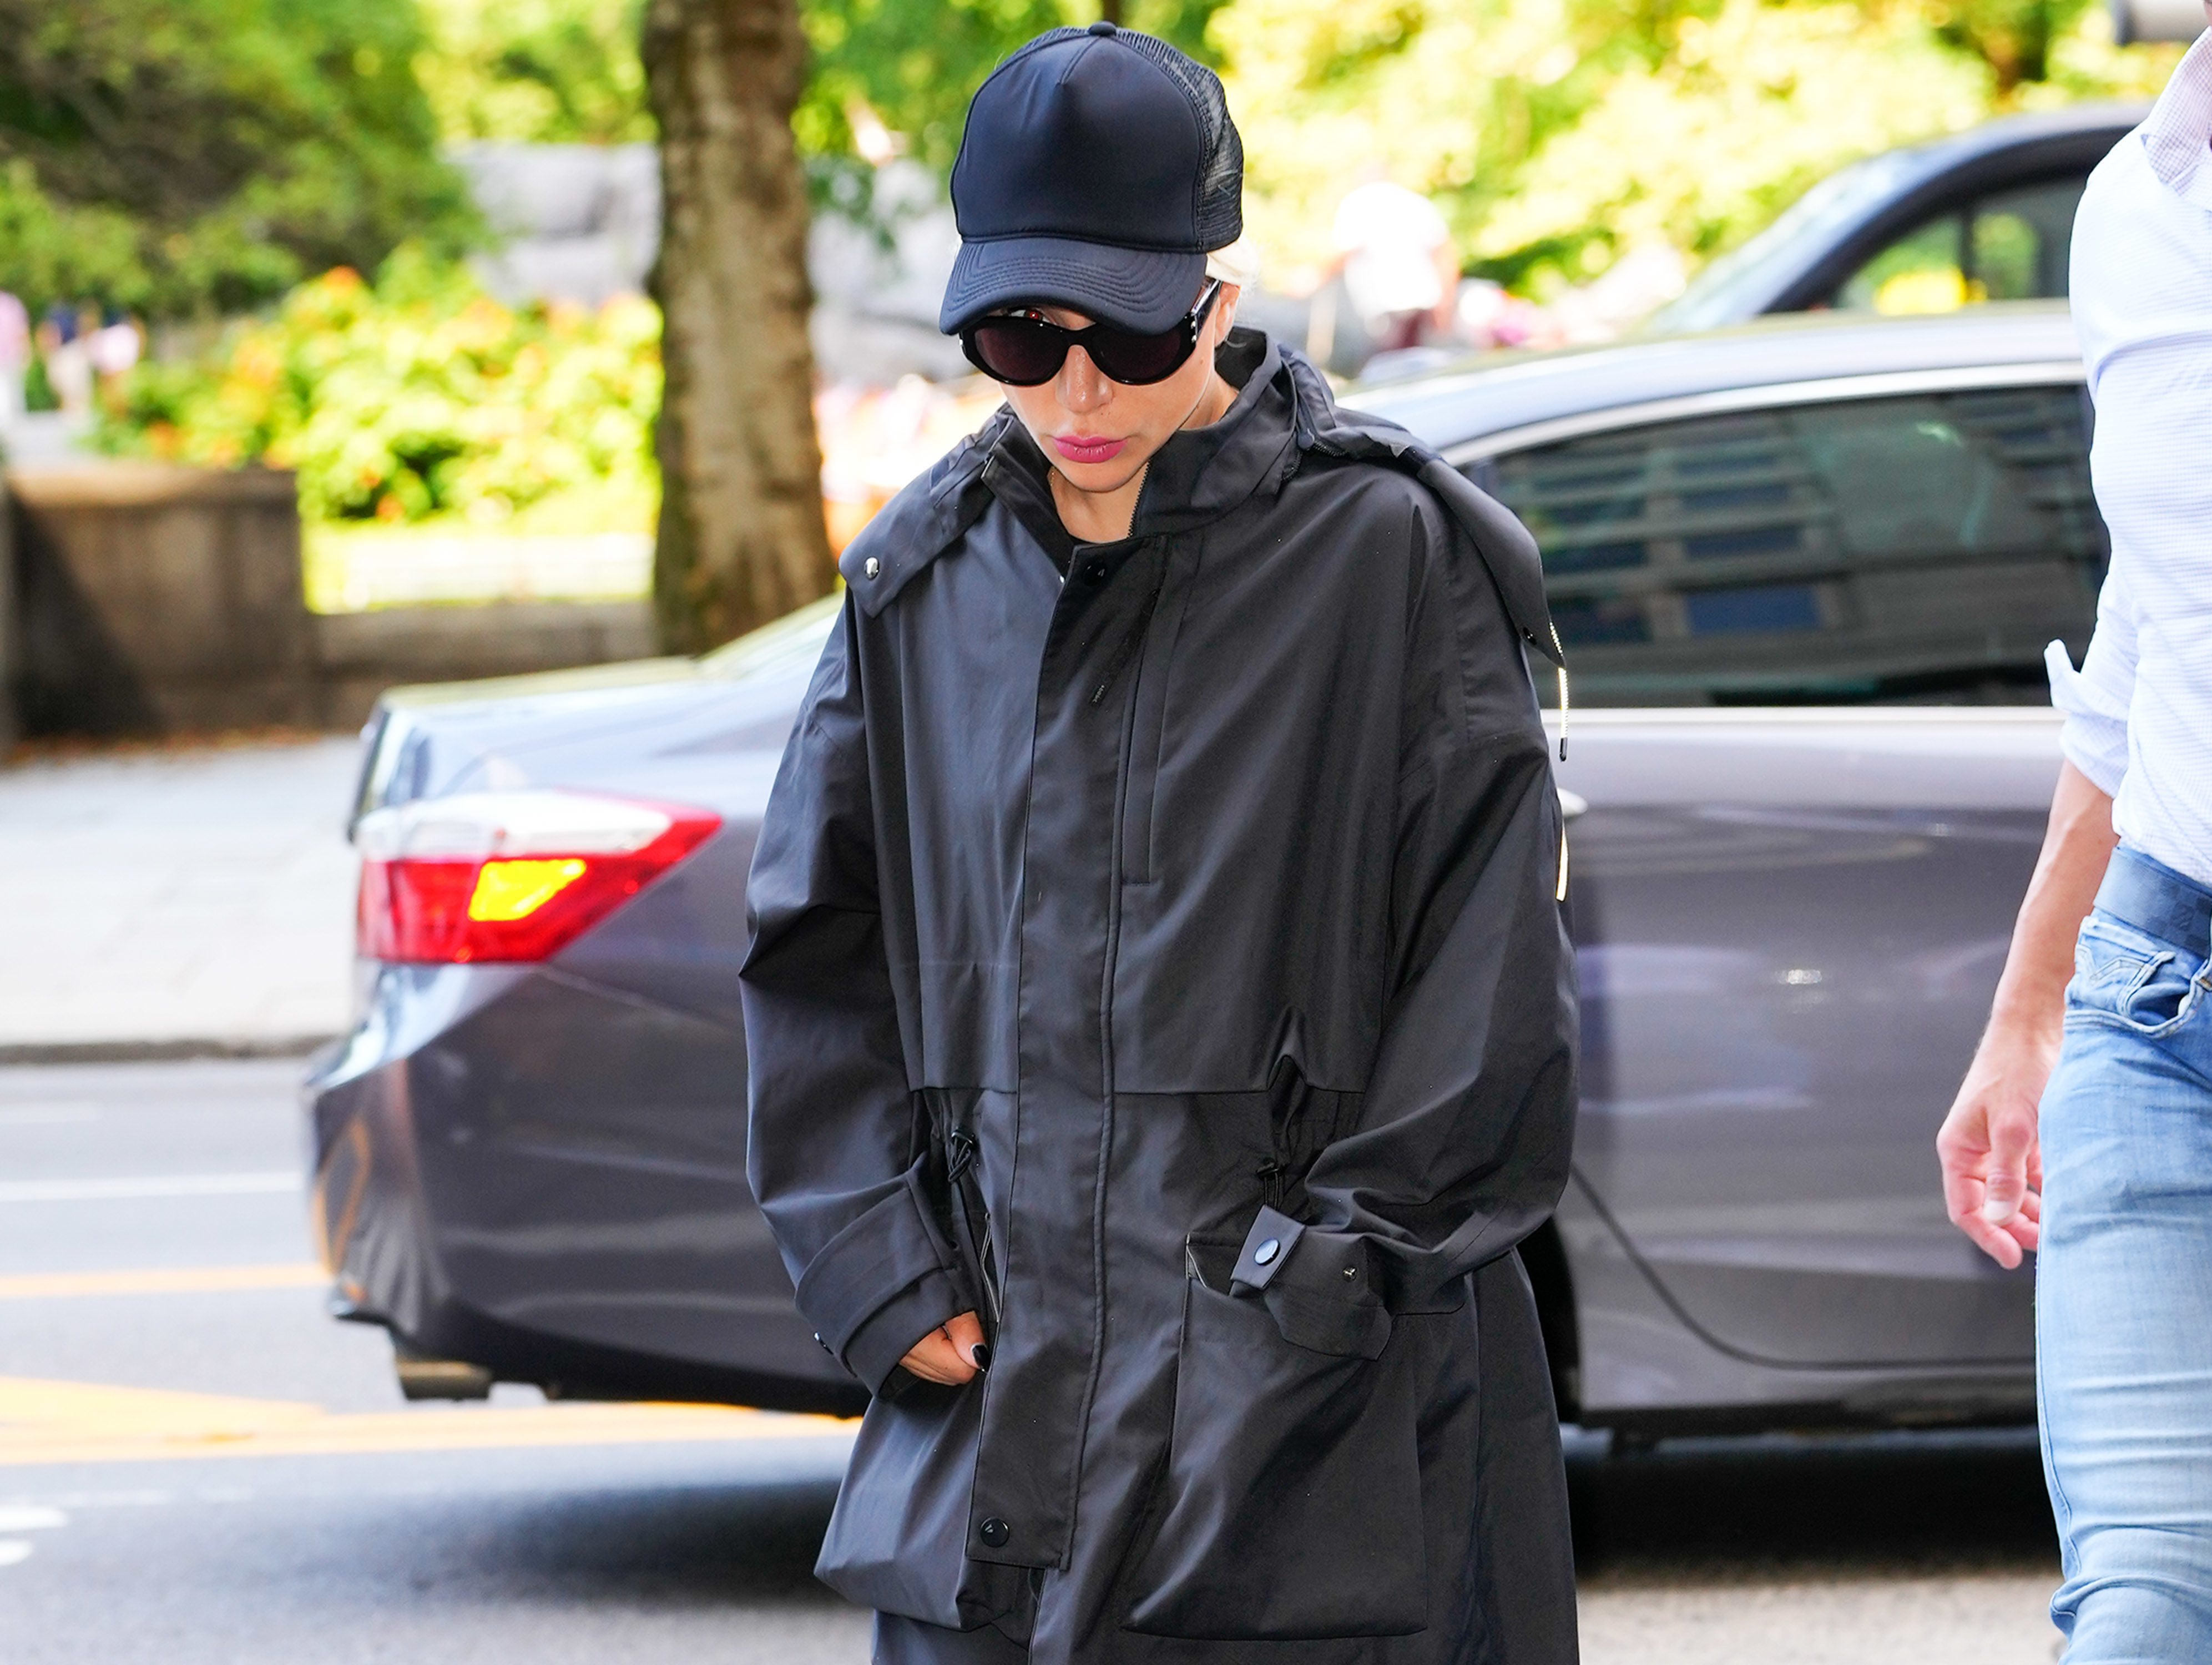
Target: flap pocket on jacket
897	1538
1292	1505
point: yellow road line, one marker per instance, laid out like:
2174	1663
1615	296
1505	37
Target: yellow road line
160	1280
45	1422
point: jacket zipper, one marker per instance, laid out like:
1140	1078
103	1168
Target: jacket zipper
1132	647
1126	652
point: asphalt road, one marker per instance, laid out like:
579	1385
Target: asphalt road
197	1465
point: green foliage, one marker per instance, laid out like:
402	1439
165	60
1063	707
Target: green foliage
184	157
1182	23
38	390
543	71
418	399
914	63
555	70
1556	134
1747	107
2015	38
917	63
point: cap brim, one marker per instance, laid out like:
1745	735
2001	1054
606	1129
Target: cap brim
1146	290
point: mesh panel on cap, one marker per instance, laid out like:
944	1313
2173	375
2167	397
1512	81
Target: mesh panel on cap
1221	176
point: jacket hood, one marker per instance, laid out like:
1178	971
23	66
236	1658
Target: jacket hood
1285	412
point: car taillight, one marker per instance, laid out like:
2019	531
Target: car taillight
509	875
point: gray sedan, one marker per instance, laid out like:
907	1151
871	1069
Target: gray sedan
1981	216
1805	573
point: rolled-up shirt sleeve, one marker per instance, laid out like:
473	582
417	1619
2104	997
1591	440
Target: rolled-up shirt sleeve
2095	698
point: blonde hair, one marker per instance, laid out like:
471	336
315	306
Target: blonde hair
1239	264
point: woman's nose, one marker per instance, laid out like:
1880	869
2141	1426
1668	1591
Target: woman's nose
1081	387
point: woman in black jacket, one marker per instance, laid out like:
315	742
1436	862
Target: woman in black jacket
1159	1017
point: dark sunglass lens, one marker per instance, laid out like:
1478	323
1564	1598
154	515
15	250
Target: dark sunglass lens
1018	350
1139	359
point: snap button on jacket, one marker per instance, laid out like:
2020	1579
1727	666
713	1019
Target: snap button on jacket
1162	963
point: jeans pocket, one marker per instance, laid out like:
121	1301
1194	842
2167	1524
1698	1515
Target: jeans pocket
2125	979
1291	1509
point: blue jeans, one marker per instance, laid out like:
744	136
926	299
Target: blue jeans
2124	1281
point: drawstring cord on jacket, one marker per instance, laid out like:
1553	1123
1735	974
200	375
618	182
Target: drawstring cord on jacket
1566	709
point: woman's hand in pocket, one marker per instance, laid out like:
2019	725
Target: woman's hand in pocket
952	1353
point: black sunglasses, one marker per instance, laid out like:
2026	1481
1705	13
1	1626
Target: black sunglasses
1028	352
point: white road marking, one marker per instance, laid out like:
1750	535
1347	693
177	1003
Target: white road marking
25	1517
152	1185
45	1115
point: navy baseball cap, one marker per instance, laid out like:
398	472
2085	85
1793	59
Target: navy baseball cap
1098	170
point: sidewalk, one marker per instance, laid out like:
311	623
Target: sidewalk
186	898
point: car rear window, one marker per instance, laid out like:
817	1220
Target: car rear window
1917	548
2010	246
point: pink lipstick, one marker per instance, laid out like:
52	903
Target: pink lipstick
1083	448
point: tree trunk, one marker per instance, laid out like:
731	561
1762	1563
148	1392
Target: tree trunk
741	535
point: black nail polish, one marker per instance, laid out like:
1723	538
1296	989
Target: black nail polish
981	1352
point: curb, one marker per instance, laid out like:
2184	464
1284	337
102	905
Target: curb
159	1052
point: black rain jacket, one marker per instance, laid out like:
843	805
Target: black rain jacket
1162	962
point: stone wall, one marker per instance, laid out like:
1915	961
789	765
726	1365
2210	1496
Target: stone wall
155	599
151	598
362	655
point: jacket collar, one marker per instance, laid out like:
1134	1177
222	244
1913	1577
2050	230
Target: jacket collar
1197	476
923	520
1202	473
1284	412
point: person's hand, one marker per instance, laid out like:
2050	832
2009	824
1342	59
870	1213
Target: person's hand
1992	1160
952	1353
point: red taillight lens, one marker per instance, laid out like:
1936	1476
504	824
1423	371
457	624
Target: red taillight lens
509	875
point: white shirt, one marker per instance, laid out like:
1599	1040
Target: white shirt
2139	712
1390	235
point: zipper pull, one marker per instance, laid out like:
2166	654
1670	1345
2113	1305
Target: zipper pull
959	1154
1272	1173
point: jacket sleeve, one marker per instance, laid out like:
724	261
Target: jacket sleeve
1465	1132
836	1150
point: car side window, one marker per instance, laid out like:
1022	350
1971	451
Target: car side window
2008	245
1920	548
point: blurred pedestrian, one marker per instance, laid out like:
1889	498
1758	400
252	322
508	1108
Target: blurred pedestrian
114	347
1159	1022
65	351
1401	268
15	354
2084	1127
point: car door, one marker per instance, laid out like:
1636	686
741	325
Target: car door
1812	620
